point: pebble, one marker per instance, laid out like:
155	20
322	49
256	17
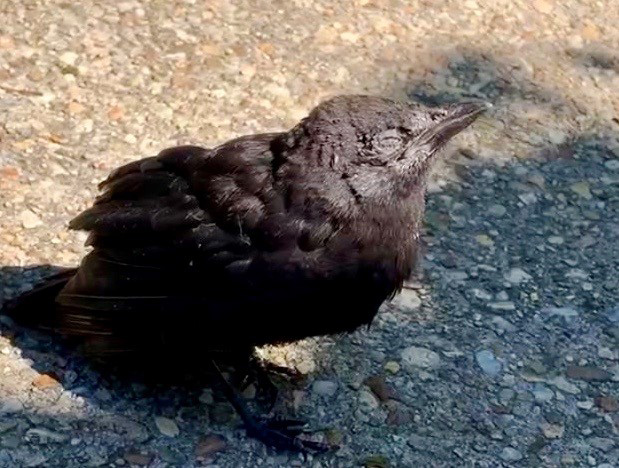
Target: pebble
367	400
488	362
562	384
11	405
582	190
586	405
392	367
565	312
29	220
136	458
415	357
602	443
555	240
209	445
608	404
510	454
612	164
588	373
503	324
485	240
407	300
606	353
613	314
325	388
380	388
502	305
166	426
517	276
542	393
481	294
552	431
44	382
497	210
45	435
206	396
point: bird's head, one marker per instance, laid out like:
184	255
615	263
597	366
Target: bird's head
375	142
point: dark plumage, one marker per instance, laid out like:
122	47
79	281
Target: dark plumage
265	239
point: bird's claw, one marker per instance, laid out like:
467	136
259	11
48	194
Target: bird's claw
285	434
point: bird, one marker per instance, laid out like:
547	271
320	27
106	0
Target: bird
265	239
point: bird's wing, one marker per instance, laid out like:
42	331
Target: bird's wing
168	232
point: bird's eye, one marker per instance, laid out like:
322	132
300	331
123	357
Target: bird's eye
389	141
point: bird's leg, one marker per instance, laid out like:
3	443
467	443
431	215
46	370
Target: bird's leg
282	434
258	371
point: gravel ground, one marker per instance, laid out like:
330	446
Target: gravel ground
503	352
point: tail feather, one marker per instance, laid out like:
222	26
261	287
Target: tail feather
35	308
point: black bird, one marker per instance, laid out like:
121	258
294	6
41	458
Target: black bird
267	238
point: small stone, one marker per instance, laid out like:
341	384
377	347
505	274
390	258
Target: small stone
44	382
29	220
127	428
415	357
586	405
75	108
542	393
612	164
582	190
334	437
45	435
497	210
103	395
325	35
455	276
607	403
517	276
568	459
367	400
602	443
562	384
166	426
306	366
565	312
510	454
528	198
502	296
209	445
221	413
69	58
115	113
206	396
502	305
376	461
555	240
590	32
349	36
485	240
380	388
392	367
613	314
606	353
553	431
488	362
9	172
324	388
136	458
588	373
407	300
481	294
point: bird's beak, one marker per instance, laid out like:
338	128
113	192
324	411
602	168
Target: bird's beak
458	117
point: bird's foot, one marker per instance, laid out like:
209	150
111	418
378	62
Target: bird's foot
285	434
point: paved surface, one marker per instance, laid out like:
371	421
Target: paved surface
504	352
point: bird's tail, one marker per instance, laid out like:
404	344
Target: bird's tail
35	308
